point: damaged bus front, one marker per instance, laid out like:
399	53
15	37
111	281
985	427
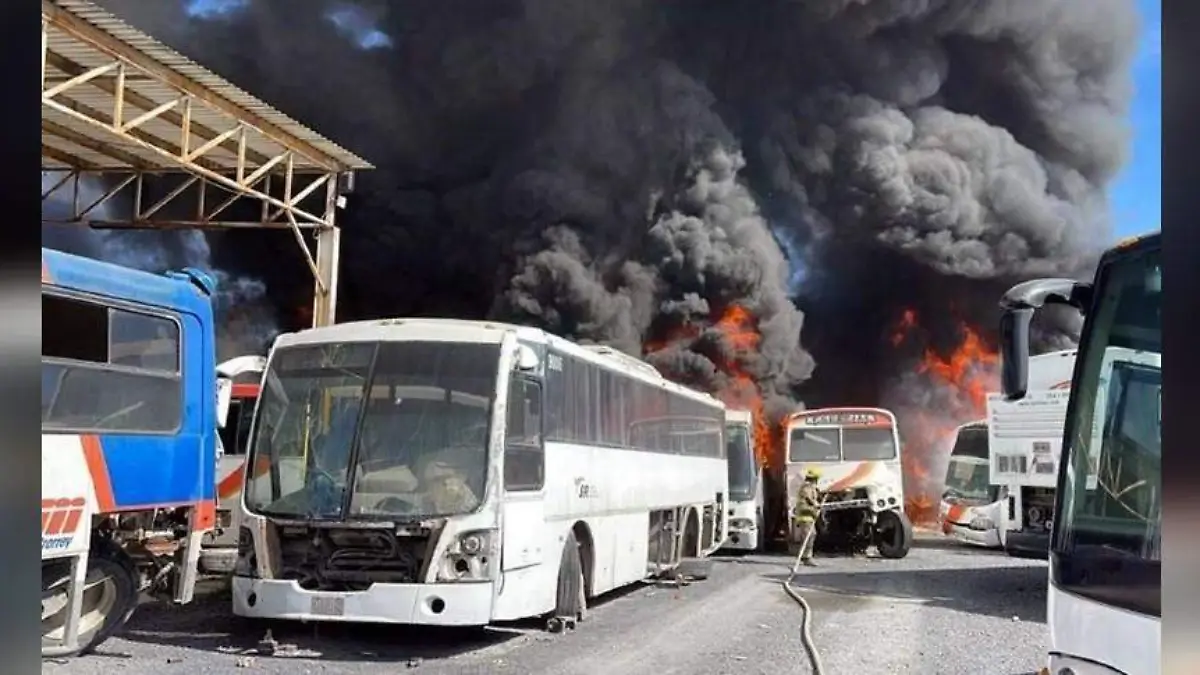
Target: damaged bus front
374	502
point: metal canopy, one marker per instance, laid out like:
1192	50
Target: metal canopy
178	146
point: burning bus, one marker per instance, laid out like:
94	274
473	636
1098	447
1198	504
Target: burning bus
747	529
970	507
857	451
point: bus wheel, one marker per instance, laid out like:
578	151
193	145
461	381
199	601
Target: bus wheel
571	603
109	598
893	534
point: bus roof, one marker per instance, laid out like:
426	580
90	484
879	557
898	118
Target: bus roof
977	425
843	417
189	292
463	330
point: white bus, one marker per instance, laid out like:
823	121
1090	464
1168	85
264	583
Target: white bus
746	530
1104	605
240	378
1025	444
971	507
857	452
446	472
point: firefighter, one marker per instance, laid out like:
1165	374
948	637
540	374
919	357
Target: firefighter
808	506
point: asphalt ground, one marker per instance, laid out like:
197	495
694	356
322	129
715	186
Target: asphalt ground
943	609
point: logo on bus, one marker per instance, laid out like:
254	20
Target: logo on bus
846	418
585	490
60	521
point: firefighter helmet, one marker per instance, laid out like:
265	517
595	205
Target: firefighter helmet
812	474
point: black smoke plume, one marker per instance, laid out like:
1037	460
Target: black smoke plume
612	170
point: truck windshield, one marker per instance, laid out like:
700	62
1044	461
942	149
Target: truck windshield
741	462
404	424
1107	538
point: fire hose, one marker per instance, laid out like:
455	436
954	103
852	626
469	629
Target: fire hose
814	657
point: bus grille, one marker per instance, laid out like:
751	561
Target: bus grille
350	559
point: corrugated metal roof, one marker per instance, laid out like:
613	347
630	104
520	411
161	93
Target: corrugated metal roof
217	109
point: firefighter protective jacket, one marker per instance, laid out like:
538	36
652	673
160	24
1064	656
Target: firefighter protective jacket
807	503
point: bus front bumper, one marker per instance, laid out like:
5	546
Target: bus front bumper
459	604
963	533
742	539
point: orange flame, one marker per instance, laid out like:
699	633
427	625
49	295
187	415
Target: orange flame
740	330
967	375
908	321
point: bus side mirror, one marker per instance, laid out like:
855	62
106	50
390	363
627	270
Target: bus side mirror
1014	357
527	359
224	396
1018	306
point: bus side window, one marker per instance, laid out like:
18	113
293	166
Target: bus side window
102	384
524	454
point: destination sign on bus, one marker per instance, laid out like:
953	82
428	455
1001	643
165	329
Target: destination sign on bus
848	418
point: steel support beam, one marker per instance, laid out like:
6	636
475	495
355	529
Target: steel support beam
329	243
325	300
132	142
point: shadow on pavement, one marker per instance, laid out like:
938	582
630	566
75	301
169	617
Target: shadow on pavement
1003	592
208	624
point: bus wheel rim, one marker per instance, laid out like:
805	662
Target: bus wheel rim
99	599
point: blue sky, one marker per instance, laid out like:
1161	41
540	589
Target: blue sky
1136	195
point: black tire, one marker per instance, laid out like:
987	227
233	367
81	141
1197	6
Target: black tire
570	603
109	565
893	534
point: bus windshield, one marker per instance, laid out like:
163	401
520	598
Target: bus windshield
868	445
967	474
403	424
853	444
1107	530
236	432
741	462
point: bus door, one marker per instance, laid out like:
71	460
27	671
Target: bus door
523	580
523	511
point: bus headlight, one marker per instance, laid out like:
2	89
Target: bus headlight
982	523
471	544
472	556
246	563
741	524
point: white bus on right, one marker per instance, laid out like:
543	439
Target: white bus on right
1024	447
1104	604
746	530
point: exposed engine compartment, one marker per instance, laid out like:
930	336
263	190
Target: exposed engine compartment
352	558
847	524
